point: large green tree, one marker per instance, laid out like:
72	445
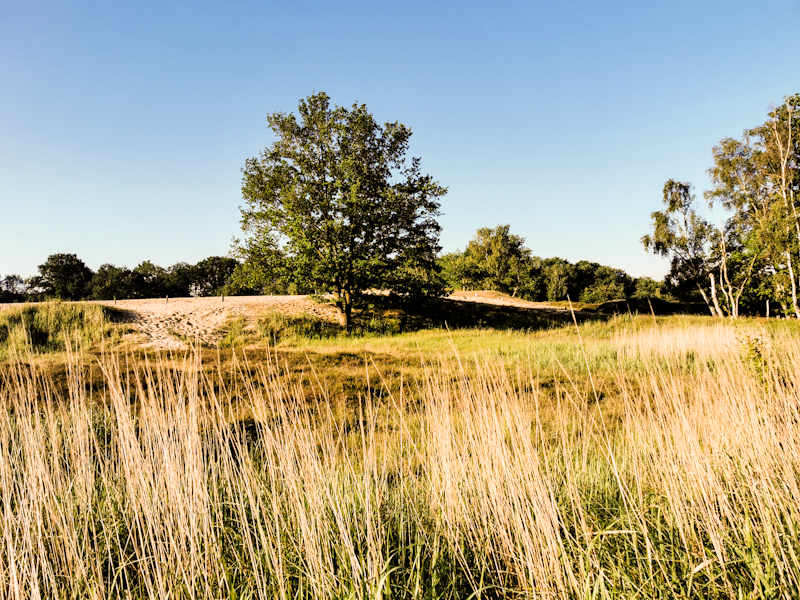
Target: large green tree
64	276
334	203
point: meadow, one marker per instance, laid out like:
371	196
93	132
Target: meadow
636	456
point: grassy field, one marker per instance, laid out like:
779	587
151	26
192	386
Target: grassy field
629	457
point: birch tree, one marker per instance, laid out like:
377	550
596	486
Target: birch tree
688	240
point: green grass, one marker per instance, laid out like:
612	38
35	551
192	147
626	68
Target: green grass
53	327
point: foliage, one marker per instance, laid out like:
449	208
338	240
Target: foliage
334	204
64	276
495	259
598	283
498	260
684	236
210	275
12	288
560	275
110	282
646	287
150	281
754	257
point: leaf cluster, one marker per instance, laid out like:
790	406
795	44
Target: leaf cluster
334	205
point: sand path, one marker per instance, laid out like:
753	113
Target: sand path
499	299
167	323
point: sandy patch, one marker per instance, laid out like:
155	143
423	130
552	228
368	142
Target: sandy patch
163	322
500	299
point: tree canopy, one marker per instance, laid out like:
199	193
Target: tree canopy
496	259
754	256
64	276
334	204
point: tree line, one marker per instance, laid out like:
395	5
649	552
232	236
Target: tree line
335	206
496	259
66	277
750	262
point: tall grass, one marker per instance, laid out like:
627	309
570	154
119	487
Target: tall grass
52	326
175	486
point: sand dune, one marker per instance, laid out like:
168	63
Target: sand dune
163	322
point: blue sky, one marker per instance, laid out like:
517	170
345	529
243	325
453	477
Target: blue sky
125	125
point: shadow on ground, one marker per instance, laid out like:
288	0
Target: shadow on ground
398	315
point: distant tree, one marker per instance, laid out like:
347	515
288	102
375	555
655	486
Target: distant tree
252	277
459	270
681	234
583	277
211	274
499	258
647	287
110	282
495	259
65	276
148	280
12	288
178	280
606	284
559	275
334	204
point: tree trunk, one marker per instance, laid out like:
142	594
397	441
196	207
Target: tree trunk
785	190
708	304
794	285
714	295
340	314
343	301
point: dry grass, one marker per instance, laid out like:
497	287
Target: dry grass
468	480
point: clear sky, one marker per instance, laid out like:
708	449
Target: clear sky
124	125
